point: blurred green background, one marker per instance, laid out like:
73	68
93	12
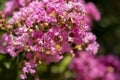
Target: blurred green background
108	35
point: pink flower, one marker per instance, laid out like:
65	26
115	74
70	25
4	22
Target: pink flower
24	2
29	68
93	47
92	12
9	8
23	76
88	67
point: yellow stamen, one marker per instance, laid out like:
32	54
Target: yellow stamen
30	30
72	20
78	47
47	52
1	25
8	26
64	14
58	47
53	13
39	62
46	24
26	48
110	69
3	28
73	55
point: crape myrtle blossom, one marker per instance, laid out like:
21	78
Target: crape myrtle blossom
29	68
113	66
93	14
88	67
91	10
13	5
45	30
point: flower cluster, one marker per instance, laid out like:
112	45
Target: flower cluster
112	63
14	5
45	30
91	10
88	67
29	68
